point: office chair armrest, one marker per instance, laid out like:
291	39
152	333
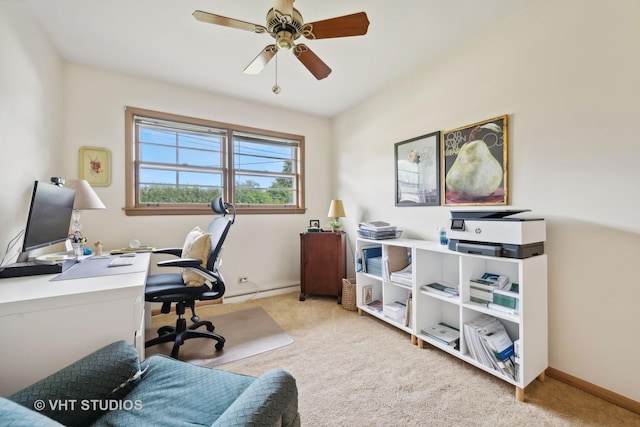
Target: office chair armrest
169	251
182	262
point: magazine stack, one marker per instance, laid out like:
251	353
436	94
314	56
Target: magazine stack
378	230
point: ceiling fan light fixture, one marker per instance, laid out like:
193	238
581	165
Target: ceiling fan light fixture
284	40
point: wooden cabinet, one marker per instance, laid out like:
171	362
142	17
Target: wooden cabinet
322	264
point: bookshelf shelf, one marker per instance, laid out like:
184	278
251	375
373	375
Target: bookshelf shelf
524	323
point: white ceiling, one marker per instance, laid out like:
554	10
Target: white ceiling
160	40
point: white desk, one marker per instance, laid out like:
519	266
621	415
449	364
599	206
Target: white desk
45	325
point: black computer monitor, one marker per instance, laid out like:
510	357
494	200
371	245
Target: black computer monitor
49	217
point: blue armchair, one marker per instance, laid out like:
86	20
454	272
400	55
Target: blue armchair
111	387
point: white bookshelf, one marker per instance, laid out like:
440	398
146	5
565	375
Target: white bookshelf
432	262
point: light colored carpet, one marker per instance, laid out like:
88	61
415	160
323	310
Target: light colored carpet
358	371
247	333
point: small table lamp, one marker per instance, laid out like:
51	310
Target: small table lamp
336	211
86	198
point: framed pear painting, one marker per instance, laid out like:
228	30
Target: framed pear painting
474	164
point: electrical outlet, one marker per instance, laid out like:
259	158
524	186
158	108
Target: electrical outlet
243	279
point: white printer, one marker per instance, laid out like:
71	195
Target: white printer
497	233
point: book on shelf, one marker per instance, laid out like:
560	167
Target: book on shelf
375	305
516	358
500	349
491	281
441	289
502	309
473	329
443	333
490	345
372	259
501	281
409	304
481	294
509	299
505	301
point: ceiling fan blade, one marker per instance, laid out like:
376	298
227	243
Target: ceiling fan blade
355	24
310	60
210	18
261	61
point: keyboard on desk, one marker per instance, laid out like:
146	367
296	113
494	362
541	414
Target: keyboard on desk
122	261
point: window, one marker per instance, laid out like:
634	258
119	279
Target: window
177	165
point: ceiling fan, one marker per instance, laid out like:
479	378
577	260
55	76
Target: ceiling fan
285	25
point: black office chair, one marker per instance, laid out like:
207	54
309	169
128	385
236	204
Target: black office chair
170	288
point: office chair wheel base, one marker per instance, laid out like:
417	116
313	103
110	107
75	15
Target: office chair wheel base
210	327
164	330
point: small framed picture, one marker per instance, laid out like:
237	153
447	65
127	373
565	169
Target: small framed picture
417	169
314	223
367	294
94	165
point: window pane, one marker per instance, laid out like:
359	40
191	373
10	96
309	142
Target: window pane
256	189
163	194
156	176
157	136
167	186
157	154
200	179
205	142
262	157
191	157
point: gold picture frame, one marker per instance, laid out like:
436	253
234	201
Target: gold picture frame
94	165
467	183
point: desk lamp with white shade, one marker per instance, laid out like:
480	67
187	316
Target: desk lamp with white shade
86	198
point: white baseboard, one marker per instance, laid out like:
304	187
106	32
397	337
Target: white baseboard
246	296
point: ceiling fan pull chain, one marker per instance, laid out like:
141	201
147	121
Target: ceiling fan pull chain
276	88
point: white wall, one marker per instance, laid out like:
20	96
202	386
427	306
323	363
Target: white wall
566	72
30	116
264	248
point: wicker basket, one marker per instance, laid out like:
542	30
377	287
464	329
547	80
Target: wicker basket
349	294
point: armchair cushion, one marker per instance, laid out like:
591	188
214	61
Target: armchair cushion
197	245
15	415
271	400
174	393
106	374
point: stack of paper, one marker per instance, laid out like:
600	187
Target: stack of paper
377	230
396	310
404	276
